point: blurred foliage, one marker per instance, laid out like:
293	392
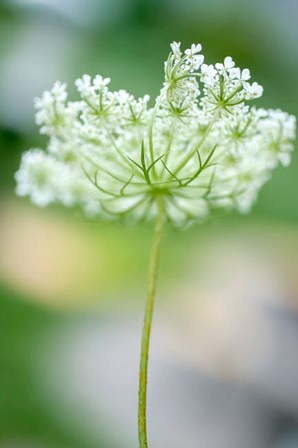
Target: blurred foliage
24	415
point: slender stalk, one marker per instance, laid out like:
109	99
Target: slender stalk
143	374
150	133
194	149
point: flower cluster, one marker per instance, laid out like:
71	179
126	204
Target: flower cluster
201	146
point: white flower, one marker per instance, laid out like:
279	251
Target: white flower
245	75
236	73
208	70
83	85
208	75
113	155
180	86
37	177
254	90
193	59
228	62
175	47
99	82
194	49
197	60
227	65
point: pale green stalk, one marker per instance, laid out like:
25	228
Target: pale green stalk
143	374
195	149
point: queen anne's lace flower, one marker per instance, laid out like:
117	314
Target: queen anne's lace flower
114	156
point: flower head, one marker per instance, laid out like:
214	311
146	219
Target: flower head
113	155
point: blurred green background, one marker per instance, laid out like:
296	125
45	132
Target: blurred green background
224	364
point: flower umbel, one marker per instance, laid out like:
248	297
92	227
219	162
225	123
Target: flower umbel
114	156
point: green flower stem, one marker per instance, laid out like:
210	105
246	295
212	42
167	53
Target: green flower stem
143	374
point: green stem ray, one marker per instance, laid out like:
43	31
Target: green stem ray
152	277
195	148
